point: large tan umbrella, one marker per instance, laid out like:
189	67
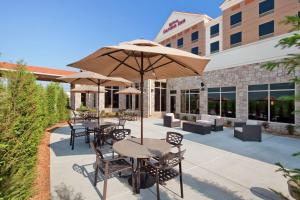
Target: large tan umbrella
88	90
91	78
143	59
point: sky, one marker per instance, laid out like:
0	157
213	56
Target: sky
54	33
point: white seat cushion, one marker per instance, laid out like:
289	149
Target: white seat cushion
176	120
171	115
204	121
251	122
240	129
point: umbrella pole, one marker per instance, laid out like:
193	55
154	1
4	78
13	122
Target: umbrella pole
142	97
98	114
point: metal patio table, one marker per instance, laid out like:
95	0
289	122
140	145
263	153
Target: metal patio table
132	148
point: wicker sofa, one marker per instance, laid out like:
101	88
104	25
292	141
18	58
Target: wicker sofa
247	131
215	121
170	121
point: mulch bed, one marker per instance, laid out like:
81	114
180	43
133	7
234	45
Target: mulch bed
42	182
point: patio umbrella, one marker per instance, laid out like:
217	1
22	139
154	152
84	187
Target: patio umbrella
140	60
87	90
91	78
129	91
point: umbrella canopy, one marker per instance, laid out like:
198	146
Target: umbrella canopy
159	62
129	90
143	59
91	78
87	90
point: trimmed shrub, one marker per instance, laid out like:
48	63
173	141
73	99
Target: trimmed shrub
26	109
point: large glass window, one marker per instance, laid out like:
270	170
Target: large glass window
83	99
195	36
214	30
266	29
180	42
128	101
195	50
236	19
222	101
274	102
236	39
111	98
214	47
190	101
160	96
266	6
137	97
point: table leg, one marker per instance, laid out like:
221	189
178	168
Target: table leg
138	175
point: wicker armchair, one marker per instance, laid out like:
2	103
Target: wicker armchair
109	167
163	170
78	132
170	121
247	131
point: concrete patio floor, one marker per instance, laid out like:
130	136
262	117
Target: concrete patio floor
216	166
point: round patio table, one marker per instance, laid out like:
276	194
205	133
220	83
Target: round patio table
151	148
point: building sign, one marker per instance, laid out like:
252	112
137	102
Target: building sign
174	24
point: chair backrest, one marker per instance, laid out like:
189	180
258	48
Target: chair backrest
70	125
96	150
107	129
171	159
122	121
120	134
174	138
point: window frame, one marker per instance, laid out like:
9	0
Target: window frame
215	34
160	88
267	12
197	50
237	43
196	39
268	34
180	39
188	93
216	51
232	25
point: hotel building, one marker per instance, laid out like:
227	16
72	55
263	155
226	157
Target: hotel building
233	85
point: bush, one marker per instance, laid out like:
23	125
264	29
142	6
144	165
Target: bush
26	109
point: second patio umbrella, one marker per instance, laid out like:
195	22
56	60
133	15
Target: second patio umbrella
129	91
91	78
143	59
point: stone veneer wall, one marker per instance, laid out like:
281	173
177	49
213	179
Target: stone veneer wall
240	77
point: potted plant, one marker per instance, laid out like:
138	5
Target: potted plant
291	129
265	125
194	118
228	123
293	182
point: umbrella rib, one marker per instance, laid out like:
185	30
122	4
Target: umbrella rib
92	81
151	69
123	63
118	65
183	65
107	54
160	66
162	56
136	60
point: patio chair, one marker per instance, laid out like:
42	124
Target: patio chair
109	167
104	133
78	132
170	121
247	131
164	169
76	117
121	122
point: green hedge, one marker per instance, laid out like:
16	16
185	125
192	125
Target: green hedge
26	110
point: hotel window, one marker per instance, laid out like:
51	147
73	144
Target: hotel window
214	47
160	96
236	19
195	50
266	29
274	102
190	101
83	99
168	45
111	98
214	30
195	36
222	101
180	43
94	100
129	101
266	7
137	97
236	39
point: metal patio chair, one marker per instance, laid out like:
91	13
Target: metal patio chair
78	132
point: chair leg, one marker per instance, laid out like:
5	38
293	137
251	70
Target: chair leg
157	185
73	141
180	176
96	174
105	181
